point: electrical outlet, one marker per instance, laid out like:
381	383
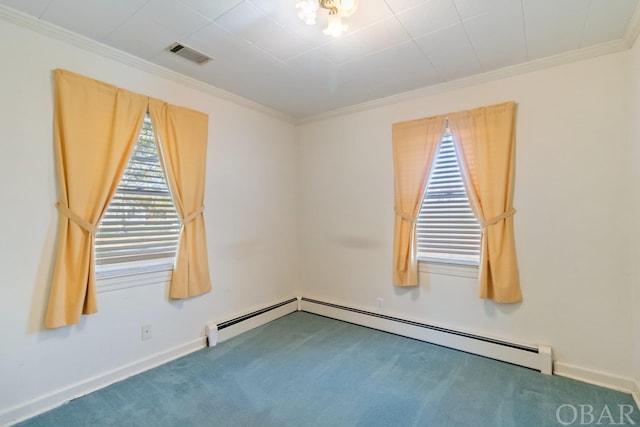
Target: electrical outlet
380	303
146	332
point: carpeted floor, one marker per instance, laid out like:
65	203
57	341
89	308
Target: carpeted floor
307	370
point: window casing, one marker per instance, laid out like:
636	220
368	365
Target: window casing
447	230
139	232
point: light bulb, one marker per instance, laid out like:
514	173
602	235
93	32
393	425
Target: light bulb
348	7
335	27
307	10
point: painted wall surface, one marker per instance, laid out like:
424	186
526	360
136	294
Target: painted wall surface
250	214
634	122
571	223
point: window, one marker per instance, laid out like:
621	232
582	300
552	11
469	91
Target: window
140	229
447	230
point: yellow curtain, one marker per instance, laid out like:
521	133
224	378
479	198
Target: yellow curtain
415	145
182	138
95	128
485	138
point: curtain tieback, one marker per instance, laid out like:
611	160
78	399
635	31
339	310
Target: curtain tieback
497	219
405	217
193	216
85	225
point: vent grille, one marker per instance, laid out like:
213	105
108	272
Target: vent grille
189	53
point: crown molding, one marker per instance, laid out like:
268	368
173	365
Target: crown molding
502	73
633	29
29	22
55	32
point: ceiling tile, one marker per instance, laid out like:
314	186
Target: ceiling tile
172	15
313	63
498	37
32	7
97	18
429	17
553	27
250	23
212	9
364	42
472	8
284	13
607	20
156	26
398	6
221	44
369	12
450	52
217	42
385	77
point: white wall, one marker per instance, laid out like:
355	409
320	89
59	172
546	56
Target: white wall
571	196
634	121
250	217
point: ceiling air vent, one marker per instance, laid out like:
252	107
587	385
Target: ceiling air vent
189	53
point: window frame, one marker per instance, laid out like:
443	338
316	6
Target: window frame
128	274
443	266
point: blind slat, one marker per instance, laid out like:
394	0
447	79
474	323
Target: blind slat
141	222
446	227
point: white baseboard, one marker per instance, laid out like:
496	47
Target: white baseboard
523	355
227	330
58	397
599	378
537	357
244	323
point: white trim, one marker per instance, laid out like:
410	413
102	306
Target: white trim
595	377
540	360
446	269
29	22
502	73
633	29
254	322
42	27
56	398
161	276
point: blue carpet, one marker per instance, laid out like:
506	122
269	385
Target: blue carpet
308	370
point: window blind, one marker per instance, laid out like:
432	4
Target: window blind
141	222
446	228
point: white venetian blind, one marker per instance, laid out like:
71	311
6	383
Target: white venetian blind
141	222
447	230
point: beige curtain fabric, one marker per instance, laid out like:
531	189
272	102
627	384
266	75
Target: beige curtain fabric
415	145
182	137
485	138
95	128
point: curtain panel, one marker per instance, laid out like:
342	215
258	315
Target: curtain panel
96	126
182	138
415	144
485	140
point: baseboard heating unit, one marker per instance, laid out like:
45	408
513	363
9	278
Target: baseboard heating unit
534	357
218	332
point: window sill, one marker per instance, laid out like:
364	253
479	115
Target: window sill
117	277
447	269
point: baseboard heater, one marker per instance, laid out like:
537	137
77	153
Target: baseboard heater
218	332
534	357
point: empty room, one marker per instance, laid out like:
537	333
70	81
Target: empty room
320	212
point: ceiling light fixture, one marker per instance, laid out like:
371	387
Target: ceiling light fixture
338	9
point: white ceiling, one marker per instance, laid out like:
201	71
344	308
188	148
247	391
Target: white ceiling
264	53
